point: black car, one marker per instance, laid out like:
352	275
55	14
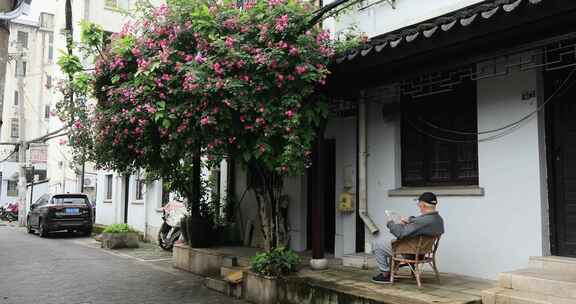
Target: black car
71	212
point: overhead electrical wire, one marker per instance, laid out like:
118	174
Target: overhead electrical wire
512	125
507	129
9	155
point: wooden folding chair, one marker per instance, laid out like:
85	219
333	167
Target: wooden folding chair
414	252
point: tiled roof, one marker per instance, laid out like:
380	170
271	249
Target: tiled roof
464	17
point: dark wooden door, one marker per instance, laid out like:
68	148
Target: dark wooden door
562	163
329	204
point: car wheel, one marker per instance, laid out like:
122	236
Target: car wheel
87	232
29	228
42	229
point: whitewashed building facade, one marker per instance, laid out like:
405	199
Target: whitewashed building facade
467	99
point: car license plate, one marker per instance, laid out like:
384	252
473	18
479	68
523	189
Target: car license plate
72	211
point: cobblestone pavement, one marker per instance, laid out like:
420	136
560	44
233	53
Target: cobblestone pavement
66	269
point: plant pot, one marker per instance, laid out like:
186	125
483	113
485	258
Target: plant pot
229	235
120	240
200	233
184	229
260	289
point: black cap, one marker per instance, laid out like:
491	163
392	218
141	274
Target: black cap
429	198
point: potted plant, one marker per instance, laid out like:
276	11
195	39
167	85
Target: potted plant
119	236
261	283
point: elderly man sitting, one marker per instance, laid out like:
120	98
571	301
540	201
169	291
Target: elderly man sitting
428	223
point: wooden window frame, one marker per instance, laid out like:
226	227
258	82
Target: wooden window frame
413	123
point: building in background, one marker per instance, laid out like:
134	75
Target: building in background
28	96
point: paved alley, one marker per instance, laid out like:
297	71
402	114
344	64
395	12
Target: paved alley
64	270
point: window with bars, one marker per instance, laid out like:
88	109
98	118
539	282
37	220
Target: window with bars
12	189
16	98
46	111
20	69
108	187
139	189
50	47
22	39
118	4
48	81
439	138
15	128
46	20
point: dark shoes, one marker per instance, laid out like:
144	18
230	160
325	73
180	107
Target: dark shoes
382	278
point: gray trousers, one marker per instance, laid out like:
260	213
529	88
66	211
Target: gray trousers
383	250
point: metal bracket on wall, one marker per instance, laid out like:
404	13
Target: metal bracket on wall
392	3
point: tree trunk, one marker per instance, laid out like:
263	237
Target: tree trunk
268	192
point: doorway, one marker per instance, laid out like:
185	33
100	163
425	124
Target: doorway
329	203
561	153
126	196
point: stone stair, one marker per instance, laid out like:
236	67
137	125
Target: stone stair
230	280
548	280
359	260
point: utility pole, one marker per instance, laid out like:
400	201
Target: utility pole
70	48
22	210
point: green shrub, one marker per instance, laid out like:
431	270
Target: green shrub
118	228
278	262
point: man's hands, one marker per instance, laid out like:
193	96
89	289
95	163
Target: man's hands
404	220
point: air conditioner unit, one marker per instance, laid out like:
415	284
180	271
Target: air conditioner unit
90	181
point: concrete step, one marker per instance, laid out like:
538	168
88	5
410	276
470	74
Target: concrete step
244	262
359	260
508	296
540	280
224	287
553	262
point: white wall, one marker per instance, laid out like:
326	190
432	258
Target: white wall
382	18
106	209
296	189
143	215
153	198
9	170
344	132
488	234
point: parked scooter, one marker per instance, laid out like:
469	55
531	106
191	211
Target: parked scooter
170	231
9	212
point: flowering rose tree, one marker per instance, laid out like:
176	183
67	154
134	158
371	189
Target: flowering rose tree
216	80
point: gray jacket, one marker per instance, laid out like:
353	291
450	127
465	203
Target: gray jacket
427	224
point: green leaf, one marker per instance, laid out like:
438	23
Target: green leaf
158	115
166	123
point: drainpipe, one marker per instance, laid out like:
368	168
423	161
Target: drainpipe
153	184
362	174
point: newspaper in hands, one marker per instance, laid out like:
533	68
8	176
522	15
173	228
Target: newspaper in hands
393	216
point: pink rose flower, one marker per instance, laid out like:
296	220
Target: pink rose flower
281	23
